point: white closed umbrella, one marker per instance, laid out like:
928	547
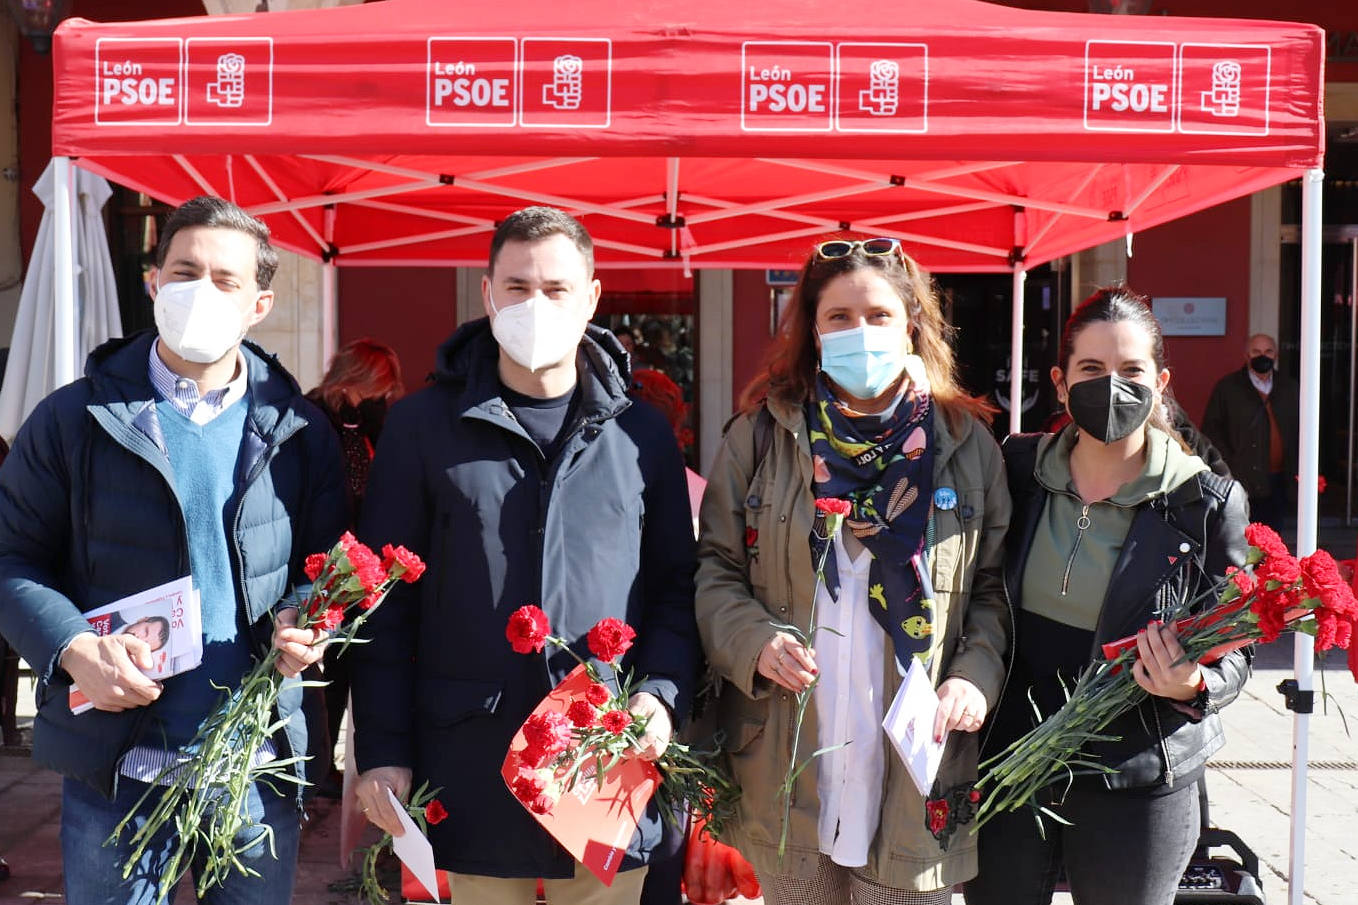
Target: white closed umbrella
30	373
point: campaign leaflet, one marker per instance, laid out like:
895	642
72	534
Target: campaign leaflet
593	821
909	724
169	618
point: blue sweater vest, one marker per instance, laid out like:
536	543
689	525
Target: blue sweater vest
204	460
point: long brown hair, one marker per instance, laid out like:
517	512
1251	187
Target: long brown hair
366	366
789	371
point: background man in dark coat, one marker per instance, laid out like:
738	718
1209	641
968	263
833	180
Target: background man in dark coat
524	475
183	451
1252	418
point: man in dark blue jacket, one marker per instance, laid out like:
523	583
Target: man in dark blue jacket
181	452
524	475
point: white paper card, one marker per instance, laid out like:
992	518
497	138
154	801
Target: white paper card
414	850
909	724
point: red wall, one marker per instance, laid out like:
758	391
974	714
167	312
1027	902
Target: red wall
411	309
750	326
1208	255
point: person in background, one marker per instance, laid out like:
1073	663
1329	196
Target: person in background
363	379
859	401
657	389
1113	516
1252	417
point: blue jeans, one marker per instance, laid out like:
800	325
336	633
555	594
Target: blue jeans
94	872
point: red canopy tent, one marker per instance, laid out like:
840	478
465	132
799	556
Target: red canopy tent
700	133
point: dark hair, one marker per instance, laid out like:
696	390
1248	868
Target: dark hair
789	371
218	213
533	223
164	627
1118	304
365	365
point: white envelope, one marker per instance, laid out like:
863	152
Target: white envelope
909	723
414	850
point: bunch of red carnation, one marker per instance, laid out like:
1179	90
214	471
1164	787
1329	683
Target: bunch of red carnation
352	580
596	724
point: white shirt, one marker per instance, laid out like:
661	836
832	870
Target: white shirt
1262	384
849	707
182	392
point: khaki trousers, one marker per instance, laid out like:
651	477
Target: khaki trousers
583	889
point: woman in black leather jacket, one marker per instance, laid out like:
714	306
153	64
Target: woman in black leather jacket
1115	523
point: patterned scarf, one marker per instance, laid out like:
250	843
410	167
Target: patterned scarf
885	468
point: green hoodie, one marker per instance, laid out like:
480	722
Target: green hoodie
1068	568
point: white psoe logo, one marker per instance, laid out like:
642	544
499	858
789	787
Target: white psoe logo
1224	98
229	89
566	87
883	92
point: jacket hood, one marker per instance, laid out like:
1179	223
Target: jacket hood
1167	466
472	355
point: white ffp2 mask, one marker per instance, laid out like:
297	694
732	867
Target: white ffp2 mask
198	321
536	332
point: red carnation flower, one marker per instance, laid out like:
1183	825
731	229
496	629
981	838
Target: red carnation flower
398	562
527	630
617	721
314	564
610	639
333	617
435	813
1280	571
1242	580
347	541
974	796
1265	540
834	506
531	757
548	732
598	694
937	810
370	601
751	536
582	714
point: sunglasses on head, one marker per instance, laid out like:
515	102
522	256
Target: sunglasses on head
842	248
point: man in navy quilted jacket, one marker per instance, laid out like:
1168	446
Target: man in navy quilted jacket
181	452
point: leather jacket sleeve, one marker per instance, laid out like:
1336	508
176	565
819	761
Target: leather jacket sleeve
1226	547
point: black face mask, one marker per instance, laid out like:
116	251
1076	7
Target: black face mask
1261	364
368	416
1109	408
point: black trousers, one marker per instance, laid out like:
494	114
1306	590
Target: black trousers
1122	848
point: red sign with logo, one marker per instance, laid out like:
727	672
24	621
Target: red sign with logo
230	81
1129	86
1223	89
137	81
471	81
882	87
786	86
567	82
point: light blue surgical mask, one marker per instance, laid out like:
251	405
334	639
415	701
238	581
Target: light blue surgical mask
864	361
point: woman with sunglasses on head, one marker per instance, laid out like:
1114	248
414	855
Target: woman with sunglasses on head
858	401
1115	522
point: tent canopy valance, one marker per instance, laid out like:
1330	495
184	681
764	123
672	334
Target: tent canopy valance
696	133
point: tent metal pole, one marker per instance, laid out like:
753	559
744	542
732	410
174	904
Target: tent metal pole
63	324
1016	351
329	294
1353	373
1308	468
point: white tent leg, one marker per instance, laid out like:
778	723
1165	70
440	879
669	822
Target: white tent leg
1016	350
63	322
329	295
1308	472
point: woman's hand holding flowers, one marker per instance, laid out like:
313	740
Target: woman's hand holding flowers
659	727
787	662
1162	668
